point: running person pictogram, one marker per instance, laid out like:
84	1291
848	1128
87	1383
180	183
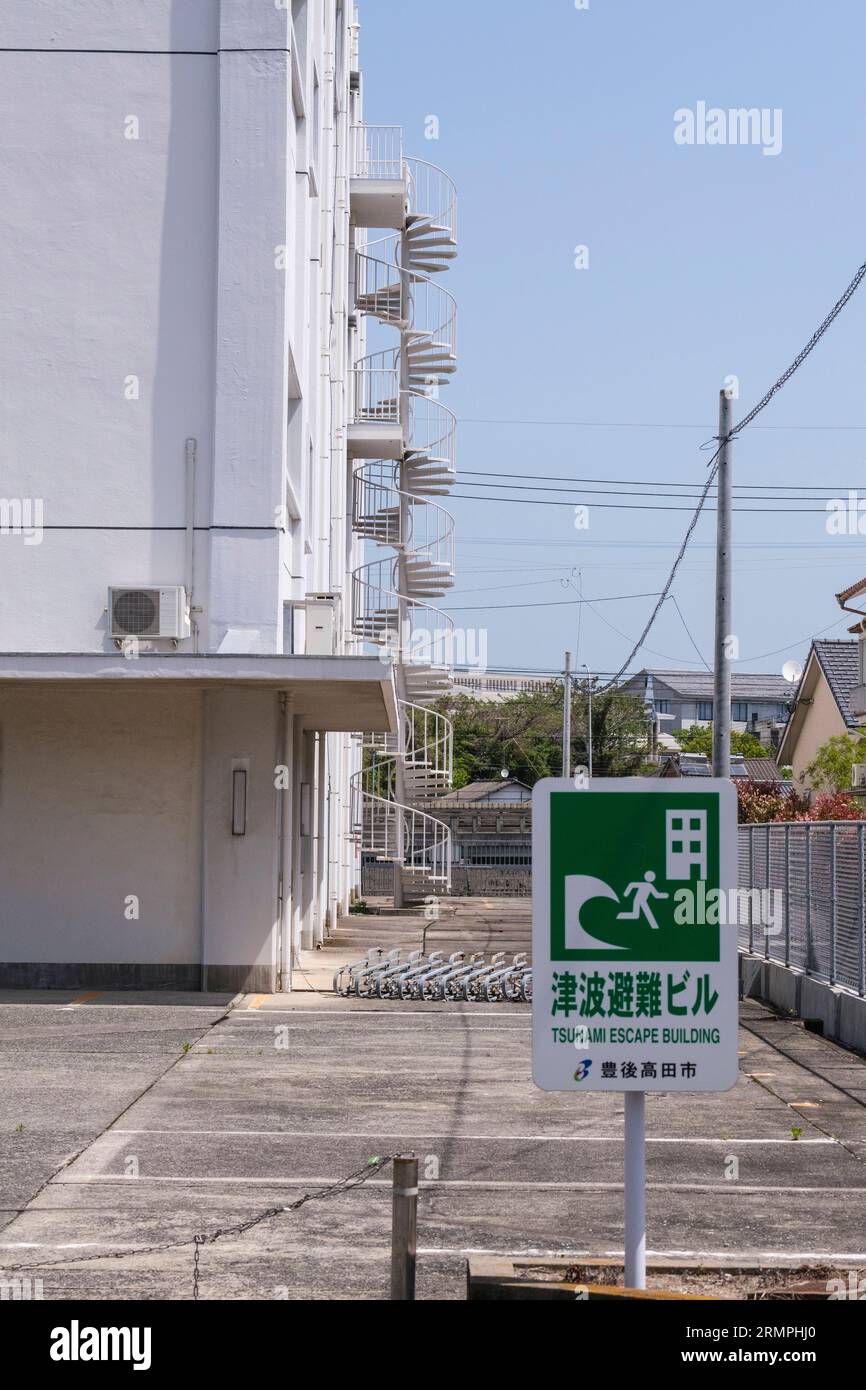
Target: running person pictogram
641	904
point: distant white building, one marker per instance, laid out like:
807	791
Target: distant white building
185	187
683	698
494	687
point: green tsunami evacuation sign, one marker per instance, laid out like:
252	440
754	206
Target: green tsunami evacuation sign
635	908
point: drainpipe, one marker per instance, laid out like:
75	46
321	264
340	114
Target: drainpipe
285	845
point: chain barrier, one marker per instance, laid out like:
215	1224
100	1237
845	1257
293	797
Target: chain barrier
371	1168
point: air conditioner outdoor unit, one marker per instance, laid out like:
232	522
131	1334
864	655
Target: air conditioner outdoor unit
858	775
151	613
322	624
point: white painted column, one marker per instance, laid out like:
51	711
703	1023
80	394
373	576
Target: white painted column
255	288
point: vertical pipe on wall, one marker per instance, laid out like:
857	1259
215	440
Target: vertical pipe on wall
286	858
308	827
295	876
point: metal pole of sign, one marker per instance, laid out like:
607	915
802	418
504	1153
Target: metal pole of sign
635	1190
404	1225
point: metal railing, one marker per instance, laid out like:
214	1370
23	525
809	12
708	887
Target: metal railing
432	428
427	636
816	872
378	288
377	152
433	194
423	306
395	833
429	742
391	516
377	389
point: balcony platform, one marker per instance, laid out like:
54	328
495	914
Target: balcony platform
334	694
375	439
378	203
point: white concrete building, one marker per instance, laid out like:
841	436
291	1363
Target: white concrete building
185	643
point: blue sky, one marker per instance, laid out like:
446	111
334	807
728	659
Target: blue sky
704	261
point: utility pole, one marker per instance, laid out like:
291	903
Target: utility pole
589	719
722	679
566	720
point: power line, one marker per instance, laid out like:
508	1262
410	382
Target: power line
648	424
688	632
608	484
636	506
714	461
558	603
647	544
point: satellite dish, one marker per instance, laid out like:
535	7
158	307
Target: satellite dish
505	772
792	671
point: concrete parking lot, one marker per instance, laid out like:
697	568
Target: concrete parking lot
132	1121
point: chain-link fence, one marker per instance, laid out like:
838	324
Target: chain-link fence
807	905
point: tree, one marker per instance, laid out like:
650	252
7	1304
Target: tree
831	768
524	735
699	739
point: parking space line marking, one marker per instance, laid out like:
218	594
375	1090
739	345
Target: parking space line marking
462	1138
471	1012
723	1256
457	1184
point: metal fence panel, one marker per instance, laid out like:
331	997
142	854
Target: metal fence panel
815	919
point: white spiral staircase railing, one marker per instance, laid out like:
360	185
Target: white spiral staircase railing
405	834
395	505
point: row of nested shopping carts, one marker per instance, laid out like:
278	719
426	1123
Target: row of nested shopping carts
433	978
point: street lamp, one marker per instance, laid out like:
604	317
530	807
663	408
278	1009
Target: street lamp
589	720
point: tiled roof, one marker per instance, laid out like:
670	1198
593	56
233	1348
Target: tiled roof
840	662
698	685
847	594
762	770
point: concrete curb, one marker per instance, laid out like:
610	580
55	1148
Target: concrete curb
842	1013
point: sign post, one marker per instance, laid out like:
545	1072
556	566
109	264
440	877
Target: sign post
635	906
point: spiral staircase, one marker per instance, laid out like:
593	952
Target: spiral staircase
402	446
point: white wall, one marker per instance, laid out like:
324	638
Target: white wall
99	800
158	258
107	265
172	286
241	726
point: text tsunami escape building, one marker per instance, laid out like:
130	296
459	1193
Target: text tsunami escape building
182	682
403	445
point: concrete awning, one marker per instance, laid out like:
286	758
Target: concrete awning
337	694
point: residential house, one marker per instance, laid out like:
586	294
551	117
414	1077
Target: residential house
822	706
831	698
759	703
